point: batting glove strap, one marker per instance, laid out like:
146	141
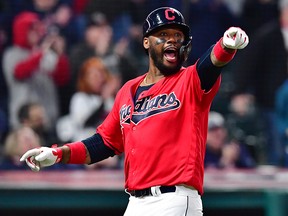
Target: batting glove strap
235	38
57	152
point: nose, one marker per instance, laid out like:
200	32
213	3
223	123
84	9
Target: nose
172	39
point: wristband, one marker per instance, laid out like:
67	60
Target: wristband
77	153
221	54
57	152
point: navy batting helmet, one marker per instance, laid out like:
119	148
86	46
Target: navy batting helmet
168	16
165	16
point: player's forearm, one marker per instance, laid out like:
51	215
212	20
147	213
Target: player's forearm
67	154
75	153
208	73
221	55
90	150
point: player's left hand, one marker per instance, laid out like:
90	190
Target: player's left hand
235	38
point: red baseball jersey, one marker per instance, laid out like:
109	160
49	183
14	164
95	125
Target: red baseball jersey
163	135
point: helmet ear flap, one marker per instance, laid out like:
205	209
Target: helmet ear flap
185	49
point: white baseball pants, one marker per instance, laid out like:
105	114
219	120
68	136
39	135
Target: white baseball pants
183	202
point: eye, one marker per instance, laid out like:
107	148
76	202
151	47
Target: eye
163	34
179	35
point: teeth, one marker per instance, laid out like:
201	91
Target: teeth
171	56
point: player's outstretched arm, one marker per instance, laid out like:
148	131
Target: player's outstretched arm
224	50
38	158
210	64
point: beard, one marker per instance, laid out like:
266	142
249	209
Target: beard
164	69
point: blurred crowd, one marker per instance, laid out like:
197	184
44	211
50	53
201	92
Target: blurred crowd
63	62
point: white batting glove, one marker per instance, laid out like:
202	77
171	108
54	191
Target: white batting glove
42	157
235	38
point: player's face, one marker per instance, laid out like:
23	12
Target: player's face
164	49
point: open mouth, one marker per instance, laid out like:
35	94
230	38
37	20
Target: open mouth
170	54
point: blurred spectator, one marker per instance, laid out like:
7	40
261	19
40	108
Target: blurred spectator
79	6
59	20
222	152
98	43
116	18
79	17
260	70
49	11
90	105
17	143
4	122
58	17
245	124
281	107
34	67
97	38
96	90
33	115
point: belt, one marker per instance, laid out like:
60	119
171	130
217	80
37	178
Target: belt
148	192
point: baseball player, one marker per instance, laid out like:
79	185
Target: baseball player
159	121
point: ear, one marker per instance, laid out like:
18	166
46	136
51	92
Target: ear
146	43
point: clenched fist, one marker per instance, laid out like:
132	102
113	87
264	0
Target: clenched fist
235	38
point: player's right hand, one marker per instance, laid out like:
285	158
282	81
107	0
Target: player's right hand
42	157
235	38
